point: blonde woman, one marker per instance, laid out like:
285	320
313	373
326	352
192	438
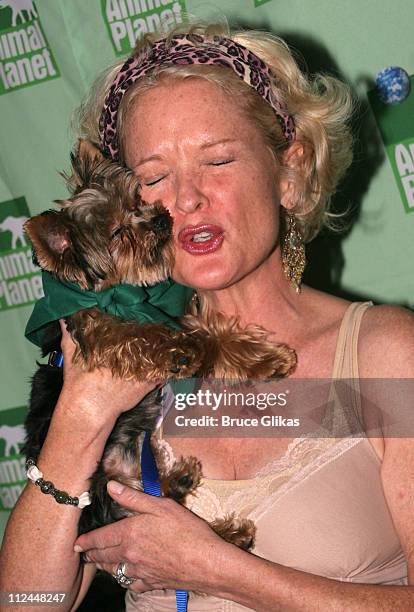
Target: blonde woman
245	152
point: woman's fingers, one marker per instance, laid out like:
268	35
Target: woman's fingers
138	585
153	542
102	556
67	344
134	500
100	544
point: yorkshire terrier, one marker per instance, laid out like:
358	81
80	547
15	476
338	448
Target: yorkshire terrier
104	235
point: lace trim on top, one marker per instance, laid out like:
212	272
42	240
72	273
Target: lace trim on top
250	498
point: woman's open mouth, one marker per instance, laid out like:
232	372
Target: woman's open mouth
201	239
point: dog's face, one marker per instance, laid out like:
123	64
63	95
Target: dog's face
104	234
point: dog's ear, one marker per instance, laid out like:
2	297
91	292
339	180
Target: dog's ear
50	238
85	161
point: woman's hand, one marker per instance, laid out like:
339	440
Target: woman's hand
165	546
99	392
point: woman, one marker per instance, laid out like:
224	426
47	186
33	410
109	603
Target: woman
237	165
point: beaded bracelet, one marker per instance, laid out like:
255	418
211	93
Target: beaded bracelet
36	476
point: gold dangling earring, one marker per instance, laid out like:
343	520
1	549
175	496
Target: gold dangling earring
293	252
195	304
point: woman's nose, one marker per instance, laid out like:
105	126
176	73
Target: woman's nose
190	195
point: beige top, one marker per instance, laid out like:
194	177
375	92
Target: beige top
320	508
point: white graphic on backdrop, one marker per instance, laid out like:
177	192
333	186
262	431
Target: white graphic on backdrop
13	435
15	226
18	7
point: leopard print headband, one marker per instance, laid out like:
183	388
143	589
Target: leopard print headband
189	49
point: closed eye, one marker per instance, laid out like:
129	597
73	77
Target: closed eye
153	181
117	231
221	162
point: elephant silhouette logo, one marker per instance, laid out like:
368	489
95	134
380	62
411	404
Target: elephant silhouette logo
15	226
13	435
19	8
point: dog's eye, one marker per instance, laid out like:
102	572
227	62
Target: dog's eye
117	231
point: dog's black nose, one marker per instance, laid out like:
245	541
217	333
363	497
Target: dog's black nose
161	222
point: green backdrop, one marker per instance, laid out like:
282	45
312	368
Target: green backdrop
50	51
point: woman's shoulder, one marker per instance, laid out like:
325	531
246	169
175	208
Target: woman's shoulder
386	342
386	334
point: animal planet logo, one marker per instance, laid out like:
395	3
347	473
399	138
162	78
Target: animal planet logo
403	167
129	20
396	125
12	464
20	280
25	57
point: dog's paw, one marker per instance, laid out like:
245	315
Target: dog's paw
184	477
180	364
267	362
237	531
185	358
276	363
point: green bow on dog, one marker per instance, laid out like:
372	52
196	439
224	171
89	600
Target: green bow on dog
162	303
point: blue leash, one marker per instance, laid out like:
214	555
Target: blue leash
151	484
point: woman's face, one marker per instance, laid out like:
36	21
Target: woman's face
197	154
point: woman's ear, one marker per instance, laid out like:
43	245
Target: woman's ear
293	161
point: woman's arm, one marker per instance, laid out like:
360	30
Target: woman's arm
267	587
37	552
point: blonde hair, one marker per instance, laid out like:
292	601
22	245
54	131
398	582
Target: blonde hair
321	107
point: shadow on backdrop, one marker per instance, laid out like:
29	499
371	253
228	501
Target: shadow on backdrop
325	253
